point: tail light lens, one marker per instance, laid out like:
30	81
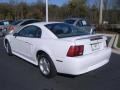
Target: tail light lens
75	51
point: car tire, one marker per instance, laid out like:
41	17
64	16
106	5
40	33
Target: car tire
8	48
46	66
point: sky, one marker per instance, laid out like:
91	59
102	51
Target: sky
57	2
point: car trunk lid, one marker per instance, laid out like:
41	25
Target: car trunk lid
92	43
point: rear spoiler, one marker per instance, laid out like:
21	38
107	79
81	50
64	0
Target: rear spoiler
92	38
96	37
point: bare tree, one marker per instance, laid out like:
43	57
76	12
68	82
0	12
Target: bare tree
105	10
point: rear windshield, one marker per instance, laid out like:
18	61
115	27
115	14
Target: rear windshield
62	30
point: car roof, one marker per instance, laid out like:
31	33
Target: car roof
29	19
75	19
3	20
44	23
24	20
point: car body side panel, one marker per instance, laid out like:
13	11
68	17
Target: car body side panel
56	49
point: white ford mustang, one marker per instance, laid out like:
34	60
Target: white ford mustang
58	47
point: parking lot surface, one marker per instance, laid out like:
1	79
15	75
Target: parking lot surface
17	74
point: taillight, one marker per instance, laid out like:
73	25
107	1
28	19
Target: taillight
75	51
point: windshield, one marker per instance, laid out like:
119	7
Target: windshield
62	30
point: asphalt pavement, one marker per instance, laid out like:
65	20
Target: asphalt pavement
17	74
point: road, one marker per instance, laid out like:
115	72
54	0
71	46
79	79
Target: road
17	74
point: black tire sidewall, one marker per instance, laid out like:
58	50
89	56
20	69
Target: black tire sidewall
53	71
9	49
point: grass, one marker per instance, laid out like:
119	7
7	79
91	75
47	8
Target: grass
118	45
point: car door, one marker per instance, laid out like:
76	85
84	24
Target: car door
23	42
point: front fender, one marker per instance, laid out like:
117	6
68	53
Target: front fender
7	37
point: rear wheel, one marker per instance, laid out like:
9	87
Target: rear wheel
8	48
46	66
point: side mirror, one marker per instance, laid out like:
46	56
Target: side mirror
15	34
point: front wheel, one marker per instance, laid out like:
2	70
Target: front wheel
8	48
46	66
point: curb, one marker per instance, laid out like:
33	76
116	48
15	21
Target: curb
116	49
116	42
113	43
112	39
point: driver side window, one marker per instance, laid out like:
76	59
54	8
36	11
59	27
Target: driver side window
79	23
30	31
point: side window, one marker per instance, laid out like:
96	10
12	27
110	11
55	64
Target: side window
30	31
6	23
83	23
1	23
79	23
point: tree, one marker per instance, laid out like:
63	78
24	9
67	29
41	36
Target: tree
105	11
117	4
77	8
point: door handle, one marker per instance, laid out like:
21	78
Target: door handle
28	43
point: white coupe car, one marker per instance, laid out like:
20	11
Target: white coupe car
58	47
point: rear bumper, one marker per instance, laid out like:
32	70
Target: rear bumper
83	64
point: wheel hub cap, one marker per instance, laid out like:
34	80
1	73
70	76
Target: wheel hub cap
44	66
